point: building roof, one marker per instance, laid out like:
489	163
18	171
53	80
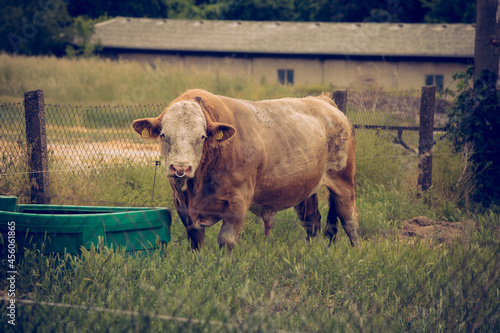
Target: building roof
290	38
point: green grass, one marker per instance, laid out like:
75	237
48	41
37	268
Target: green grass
270	283
279	282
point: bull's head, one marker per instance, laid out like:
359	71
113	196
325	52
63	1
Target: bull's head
184	132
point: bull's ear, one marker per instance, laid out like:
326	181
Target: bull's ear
219	133
148	128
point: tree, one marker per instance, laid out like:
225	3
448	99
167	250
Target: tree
360	11
34	27
96	8
487	43
260	10
83	28
475	120
410	11
450	11
195	9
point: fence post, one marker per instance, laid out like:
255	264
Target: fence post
36	140
340	98
426	136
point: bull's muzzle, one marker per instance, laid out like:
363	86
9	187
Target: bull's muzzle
180	170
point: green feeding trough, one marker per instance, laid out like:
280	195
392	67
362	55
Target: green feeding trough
66	229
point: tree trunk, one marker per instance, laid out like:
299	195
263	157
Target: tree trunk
487	43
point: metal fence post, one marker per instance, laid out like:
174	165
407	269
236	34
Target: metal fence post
36	140
426	136
340	98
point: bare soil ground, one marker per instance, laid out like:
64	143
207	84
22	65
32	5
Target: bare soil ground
440	231
86	153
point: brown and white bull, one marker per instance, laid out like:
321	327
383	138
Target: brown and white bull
225	156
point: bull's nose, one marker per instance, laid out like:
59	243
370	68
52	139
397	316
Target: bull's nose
180	170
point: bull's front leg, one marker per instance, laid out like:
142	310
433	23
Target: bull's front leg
197	237
229	233
232	222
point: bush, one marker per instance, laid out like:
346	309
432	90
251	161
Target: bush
475	120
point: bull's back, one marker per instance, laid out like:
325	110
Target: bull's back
292	137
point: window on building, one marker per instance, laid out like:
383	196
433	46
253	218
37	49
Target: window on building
437	80
285	76
281	76
429	80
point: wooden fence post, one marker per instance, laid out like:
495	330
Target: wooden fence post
426	136
36	140
340	98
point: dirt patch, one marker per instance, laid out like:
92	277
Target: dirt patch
88	154
80	153
440	231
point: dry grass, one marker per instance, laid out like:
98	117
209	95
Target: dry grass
105	82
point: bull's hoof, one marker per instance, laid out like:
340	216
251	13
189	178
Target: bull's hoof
355	242
311	231
197	238
195	246
227	246
331	234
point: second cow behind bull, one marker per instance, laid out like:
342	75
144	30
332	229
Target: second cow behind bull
225	156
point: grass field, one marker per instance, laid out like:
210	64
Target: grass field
103	82
278	283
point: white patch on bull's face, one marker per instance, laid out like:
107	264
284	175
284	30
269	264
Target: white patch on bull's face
183	134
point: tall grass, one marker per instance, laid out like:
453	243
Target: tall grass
112	185
105	82
279	282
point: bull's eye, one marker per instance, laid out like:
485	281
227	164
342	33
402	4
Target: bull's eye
164	138
200	140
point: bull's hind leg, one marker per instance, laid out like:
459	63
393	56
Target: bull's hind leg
331	222
309	215
343	205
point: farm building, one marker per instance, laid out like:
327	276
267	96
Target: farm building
349	55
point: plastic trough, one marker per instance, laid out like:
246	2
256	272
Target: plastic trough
65	229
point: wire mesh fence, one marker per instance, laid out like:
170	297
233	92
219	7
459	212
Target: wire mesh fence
396	111
394	118
12	139
78	137
83	134
395	108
